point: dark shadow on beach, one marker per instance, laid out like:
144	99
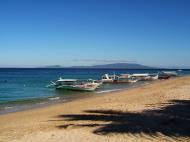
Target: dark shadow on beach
170	120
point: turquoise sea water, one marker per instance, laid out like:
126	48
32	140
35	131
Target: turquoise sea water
26	88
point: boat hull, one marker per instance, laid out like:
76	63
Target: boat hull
77	88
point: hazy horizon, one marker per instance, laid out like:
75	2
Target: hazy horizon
82	65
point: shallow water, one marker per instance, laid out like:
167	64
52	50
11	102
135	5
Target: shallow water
26	88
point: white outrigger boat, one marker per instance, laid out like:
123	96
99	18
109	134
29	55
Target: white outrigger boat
170	73
144	77
126	78
74	84
106	78
123	78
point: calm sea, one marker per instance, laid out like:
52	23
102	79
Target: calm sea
25	88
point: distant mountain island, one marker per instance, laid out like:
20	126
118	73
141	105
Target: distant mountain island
108	66
53	66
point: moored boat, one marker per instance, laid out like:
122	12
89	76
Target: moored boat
106	78
126	78
141	76
163	76
74	84
95	82
170	73
137	77
150	77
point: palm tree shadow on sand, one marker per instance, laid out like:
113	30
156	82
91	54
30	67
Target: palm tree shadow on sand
170	120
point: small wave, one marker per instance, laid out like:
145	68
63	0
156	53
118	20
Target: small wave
147	83
107	91
55	98
43	103
7	107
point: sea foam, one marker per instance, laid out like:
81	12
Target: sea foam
107	91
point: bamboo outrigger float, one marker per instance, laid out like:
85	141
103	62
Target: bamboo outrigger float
74	84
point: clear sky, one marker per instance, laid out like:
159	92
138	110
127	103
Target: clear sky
84	32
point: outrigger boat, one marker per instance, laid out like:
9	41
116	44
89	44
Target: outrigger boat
167	74
74	84
106	78
145	76
170	73
126	78
123	78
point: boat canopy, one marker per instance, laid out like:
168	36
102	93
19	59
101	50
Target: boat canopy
66	80
140	75
106	76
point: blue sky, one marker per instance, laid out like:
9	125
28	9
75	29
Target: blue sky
84	32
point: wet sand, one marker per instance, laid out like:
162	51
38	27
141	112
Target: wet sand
155	112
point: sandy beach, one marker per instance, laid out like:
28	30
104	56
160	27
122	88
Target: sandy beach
154	112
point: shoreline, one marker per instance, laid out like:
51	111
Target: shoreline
47	122
75	97
86	95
